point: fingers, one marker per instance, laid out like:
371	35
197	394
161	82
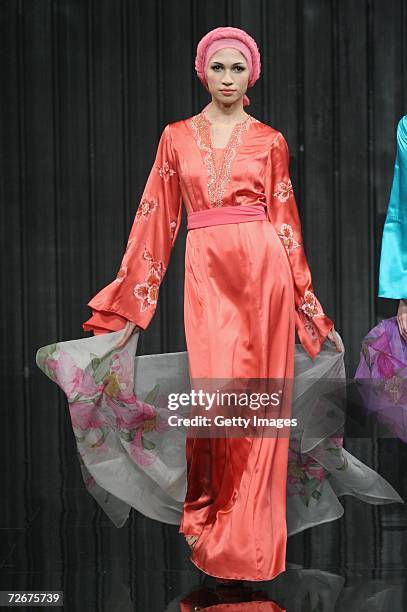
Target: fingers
402	324
334	338
338	342
402	318
128	331
399	325
122	340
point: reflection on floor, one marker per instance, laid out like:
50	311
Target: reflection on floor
54	536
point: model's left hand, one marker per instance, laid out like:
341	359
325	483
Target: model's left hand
402	318
129	329
335	339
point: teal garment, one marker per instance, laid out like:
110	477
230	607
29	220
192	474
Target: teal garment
393	260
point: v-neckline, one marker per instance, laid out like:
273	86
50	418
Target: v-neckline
218	177
237	125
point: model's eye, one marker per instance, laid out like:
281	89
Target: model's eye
218	68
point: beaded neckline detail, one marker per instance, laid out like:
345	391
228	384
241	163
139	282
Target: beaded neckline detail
218	180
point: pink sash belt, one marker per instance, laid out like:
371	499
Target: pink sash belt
226	214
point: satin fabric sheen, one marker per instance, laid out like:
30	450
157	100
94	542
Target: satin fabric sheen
226	214
236	490
393	260
247	288
258	171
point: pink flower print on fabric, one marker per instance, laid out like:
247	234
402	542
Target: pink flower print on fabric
130	414
73	380
310	305
286	234
165	171
147	292
284	190
304	476
146	207
134	424
387	365
85	418
134	417
102	404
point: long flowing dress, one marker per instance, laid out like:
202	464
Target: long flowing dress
382	368
248	286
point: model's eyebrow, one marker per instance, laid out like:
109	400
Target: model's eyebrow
220	63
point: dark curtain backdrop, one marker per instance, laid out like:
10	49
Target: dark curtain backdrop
86	88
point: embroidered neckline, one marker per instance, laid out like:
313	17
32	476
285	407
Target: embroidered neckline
218	179
239	123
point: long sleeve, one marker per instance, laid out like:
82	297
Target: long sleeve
133	294
312	324
393	259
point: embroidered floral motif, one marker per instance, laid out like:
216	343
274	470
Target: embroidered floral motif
284	190
146	207
122	273
147	292
200	127
158	266
310	305
218	179
286	234
165	171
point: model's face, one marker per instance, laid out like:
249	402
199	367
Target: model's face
227	75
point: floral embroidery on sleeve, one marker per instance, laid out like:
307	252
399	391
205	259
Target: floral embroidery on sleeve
286	234
284	190
147	292
122	273
146	207
165	171
310	305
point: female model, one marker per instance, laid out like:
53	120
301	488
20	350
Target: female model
393	261
247	288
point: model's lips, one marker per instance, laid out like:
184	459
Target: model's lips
228	92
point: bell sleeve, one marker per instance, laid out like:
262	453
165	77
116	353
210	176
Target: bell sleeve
311	322
393	257
133	294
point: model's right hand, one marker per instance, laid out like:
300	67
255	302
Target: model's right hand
402	318
128	330
334	338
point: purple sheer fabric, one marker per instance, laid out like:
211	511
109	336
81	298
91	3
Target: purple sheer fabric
382	376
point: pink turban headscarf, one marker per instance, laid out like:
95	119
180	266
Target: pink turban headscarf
223	37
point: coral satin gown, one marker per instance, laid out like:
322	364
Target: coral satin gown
248	287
